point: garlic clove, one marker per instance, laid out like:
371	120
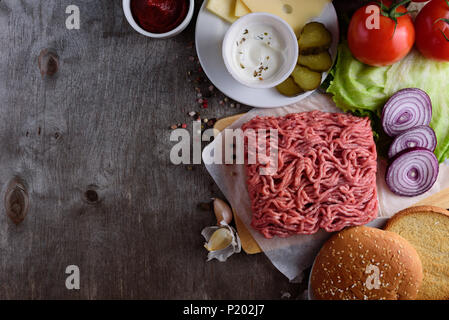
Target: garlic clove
219	240
222	211
221	254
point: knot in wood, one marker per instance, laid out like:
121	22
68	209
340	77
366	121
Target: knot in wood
16	201
48	62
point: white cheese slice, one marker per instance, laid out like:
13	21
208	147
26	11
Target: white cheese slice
295	12
225	9
241	9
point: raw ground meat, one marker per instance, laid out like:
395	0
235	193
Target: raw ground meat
326	176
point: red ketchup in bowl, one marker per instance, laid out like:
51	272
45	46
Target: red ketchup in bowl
159	16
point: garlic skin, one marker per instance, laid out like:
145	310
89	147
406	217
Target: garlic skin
222	211
222	255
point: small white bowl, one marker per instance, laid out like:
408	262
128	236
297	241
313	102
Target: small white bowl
287	36
129	16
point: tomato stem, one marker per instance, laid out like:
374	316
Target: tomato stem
444	20
447	21
390	12
397	5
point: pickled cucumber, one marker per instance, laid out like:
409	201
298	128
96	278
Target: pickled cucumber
319	62
289	88
314	38
306	79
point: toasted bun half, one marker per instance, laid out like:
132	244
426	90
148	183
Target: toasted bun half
427	229
363	263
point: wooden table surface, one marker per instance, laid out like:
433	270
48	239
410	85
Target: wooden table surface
89	150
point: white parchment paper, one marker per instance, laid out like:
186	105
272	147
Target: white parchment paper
297	253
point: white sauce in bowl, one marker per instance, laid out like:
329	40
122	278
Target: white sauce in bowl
258	53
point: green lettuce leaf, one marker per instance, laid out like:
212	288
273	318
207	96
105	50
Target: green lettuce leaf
357	87
363	90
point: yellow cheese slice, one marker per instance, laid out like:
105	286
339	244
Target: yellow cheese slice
223	8
241	9
295	12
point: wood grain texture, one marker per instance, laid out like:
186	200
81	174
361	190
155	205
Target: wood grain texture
440	199
91	145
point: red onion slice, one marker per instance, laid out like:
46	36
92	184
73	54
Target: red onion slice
421	136
406	109
412	172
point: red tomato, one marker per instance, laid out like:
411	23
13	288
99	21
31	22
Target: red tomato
431	33
385	45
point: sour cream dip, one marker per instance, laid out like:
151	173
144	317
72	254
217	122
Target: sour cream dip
260	50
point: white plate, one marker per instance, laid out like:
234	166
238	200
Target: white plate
210	32
379	223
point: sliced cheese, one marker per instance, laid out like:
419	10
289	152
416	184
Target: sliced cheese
295	12
223	8
241	9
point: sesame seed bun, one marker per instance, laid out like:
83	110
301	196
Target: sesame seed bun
363	263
